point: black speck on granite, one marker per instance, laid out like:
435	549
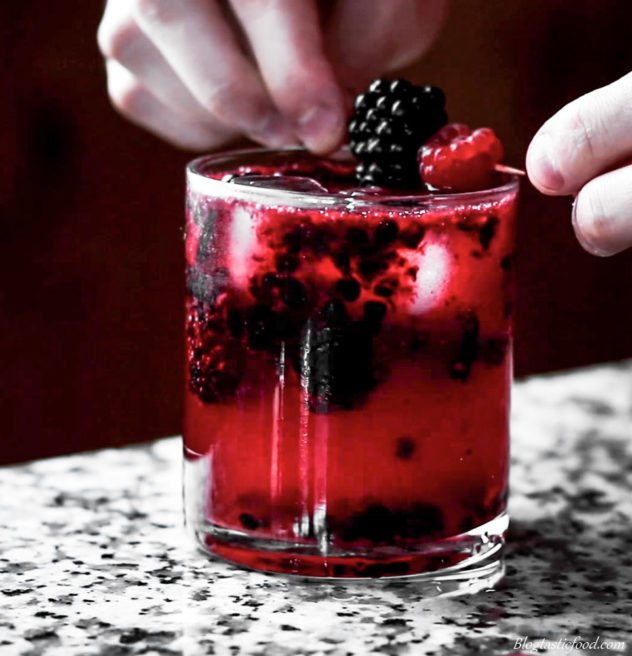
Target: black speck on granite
94	560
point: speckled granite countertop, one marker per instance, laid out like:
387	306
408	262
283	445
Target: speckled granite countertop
93	559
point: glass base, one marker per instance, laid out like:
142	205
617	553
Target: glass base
464	563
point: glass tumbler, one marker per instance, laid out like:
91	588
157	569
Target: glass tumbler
349	362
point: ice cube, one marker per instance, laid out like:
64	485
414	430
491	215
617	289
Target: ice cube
243	241
432	276
282	182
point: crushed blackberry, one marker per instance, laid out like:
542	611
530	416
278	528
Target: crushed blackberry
380	524
411	236
386	232
336	359
389	123
249	522
235	323
342	260
357	237
404	447
308	236
335	313
286	263
383	290
348	288
215	360
492	351
263	288
377	523
374	313
293	293
318	239
421	520
284	326
468	348
261	326
487	232
371	265
294	239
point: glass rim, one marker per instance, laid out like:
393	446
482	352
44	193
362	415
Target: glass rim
198	181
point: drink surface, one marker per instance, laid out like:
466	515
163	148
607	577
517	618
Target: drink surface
348	368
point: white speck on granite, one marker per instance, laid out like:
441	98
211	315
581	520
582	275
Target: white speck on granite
94	560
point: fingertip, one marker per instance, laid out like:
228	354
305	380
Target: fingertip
541	165
321	127
276	132
587	231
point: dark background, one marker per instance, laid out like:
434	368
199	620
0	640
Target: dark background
91	216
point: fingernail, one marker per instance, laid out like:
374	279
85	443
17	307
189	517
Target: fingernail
542	164
320	128
585	243
276	132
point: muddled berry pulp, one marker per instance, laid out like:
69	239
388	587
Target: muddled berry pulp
348	373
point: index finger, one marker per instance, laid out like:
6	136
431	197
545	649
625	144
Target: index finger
199	45
286	38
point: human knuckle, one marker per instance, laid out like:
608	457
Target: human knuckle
156	11
584	128
220	100
296	80
298	88
116	39
127	96
255	8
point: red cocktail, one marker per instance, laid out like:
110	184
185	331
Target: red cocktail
348	369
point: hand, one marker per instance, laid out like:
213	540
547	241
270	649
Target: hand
200	73
586	150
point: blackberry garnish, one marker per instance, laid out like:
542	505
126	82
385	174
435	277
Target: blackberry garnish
389	123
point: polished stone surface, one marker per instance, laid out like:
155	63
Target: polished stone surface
93	559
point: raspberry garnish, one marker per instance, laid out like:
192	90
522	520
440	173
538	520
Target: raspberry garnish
459	159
